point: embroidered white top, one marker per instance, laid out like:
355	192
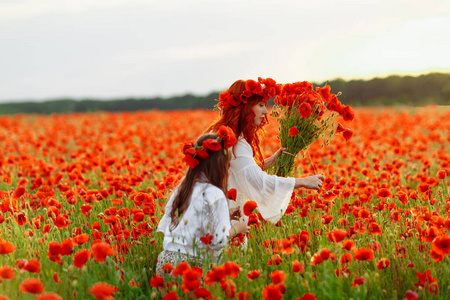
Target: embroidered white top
207	213
271	193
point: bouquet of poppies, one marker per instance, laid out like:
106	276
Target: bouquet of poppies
304	115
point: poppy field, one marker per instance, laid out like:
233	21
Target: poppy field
81	196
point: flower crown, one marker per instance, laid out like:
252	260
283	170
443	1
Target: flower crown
267	88
192	152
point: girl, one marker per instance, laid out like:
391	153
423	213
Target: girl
243	109
196	222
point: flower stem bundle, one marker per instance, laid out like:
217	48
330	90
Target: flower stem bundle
304	116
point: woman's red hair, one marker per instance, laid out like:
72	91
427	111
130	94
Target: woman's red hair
241	119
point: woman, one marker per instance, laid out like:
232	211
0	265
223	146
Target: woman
196	221
243	109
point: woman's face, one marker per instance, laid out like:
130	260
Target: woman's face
260	111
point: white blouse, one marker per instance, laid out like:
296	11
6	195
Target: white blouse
270	192
207	213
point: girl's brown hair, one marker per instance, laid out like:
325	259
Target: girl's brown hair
213	170
241	119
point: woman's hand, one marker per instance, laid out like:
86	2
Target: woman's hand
241	228
311	182
235	213
271	160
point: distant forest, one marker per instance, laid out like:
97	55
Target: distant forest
433	88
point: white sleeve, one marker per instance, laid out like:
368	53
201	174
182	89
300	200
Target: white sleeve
164	223
270	192
218	221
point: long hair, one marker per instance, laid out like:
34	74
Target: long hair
241	119
213	170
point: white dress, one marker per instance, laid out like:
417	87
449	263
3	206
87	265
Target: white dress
207	213
270	192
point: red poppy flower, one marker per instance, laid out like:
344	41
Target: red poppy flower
167	268
80	259
335	105
229	288
249	206
297	267
363	254
305	110
207	239
18	192
66	247
253	87
217	274
138	217
33	266
171	296
402	197
101	250
383	264
324	93
202	293
277	276
232	269
426	278
441	244
191	279
252	275
374	228
422	188
325	253
32	286
347	134
293	131
80	239
348	113
271	292
307	296
227	134
275	260
348	245
55	278
383	193
7	272
190	161
6	247
441	174
21	219
61	222
411	295
102	290
286	246
157	281
326	219
231	194
212	145
316	259
345	258
49	296
244	296
358	281
336	235
179	270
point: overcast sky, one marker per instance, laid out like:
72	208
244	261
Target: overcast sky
120	48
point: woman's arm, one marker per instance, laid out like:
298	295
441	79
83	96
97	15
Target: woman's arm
239	228
310	182
268	162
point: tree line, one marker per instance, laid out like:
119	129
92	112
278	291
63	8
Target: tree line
432	88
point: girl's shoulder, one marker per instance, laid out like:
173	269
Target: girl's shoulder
242	146
209	191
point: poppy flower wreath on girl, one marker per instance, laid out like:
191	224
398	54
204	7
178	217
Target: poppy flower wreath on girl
267	88
192	152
